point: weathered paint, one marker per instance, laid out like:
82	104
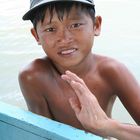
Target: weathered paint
18	124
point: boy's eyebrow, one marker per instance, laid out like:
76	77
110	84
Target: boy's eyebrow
77	16
74	18
47	23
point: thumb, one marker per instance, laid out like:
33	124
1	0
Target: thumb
74	105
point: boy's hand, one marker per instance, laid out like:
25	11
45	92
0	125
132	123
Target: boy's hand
89	113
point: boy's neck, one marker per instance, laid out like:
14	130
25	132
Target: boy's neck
84	67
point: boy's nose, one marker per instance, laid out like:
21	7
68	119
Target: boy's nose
64	36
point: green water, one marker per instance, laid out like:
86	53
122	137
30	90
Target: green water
120	38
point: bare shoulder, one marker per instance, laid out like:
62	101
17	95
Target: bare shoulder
36	67
33	80
107	65
35	72
117	74
114	71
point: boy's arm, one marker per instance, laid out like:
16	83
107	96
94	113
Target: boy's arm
33	94
90	110
125	86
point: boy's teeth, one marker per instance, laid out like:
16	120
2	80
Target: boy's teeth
68	51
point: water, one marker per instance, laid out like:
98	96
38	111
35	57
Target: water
120	39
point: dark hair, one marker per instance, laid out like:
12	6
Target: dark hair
60	8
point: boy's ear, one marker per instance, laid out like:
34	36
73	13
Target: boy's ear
97	25
34	33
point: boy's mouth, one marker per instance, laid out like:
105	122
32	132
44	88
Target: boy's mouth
68	51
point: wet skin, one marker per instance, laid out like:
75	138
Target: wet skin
68	45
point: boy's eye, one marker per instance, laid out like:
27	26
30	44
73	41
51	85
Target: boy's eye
76	25
50	29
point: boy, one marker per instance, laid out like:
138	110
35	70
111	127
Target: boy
66	30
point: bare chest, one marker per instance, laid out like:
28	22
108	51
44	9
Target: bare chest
60	92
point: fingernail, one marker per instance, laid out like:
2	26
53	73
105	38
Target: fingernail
73	82
67	72
63	76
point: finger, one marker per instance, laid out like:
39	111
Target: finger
82	89
74	77
76	86
66	78
69	77
74	105
83	93
79	90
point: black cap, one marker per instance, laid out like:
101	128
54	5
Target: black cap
35	4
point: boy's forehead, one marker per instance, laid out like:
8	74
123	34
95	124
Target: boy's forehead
75	13
36	4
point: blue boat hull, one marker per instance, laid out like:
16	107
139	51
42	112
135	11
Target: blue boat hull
19	124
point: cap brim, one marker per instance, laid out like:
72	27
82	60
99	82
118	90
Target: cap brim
28	14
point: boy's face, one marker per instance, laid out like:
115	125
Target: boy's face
67	42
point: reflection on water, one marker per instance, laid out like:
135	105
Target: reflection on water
119	39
